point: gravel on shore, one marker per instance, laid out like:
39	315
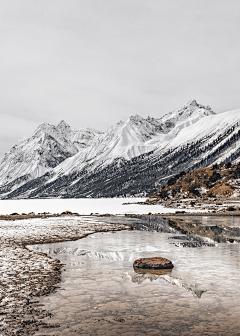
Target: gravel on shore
25	274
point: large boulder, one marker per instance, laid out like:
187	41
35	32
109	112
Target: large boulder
153	263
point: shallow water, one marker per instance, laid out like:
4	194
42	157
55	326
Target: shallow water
101	294
218	229
226	221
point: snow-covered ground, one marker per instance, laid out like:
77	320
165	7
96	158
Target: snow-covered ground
83	206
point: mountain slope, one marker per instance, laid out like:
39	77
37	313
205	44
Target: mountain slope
80	138
44	150
217	180
132	138
136	157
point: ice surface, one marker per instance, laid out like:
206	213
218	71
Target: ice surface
83	206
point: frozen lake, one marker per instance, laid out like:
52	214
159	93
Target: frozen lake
101	294
83	206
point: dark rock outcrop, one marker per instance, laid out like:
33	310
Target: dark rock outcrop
153	263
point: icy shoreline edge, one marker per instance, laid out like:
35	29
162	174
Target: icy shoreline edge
26	274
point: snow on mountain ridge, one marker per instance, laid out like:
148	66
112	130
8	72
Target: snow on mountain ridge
192	109
80	138
127	140
46	148
63	150
215	126
113	165
63	127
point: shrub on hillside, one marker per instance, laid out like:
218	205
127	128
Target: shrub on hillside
195	189
173	180
228	165
163	193
214	177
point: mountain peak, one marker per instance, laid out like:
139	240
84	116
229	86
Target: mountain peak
192	110
192	102
135	117
63	127
45	127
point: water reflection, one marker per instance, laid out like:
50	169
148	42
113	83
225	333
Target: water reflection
152	271
139	277
101	293
219	229
177	225
143	223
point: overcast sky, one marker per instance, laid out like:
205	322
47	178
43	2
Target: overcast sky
95	62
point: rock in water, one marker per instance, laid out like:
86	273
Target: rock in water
153	263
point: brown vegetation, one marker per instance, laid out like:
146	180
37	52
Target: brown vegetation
217	180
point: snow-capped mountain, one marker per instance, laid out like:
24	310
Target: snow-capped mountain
44	150
134	137
192	112
132	157
80	138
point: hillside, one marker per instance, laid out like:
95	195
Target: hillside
217	181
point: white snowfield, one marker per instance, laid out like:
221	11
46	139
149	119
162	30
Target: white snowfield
214	124
138	136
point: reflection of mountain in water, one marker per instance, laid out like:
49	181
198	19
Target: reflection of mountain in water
89	253
160	224
191	240
196	231
139	278
220	230
197	293
143	223
152	223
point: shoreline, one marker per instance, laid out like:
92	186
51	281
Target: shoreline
26	274
191	214
164	214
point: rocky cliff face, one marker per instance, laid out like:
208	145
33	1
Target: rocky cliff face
135	157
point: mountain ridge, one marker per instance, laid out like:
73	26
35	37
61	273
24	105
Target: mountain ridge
44	150
133	157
